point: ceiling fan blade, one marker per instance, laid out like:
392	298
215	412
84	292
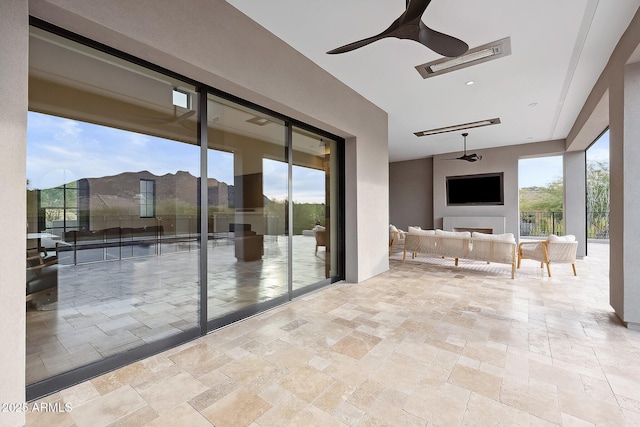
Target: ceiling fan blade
441	43
355	45
471	157
410	26
415	10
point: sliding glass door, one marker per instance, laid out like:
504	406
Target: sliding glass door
157	211
315	204
247	190
112	207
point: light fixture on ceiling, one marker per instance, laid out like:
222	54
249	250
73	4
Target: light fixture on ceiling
181	98
477	55
260	121
470	82
454	128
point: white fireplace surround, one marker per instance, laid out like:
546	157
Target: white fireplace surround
495	223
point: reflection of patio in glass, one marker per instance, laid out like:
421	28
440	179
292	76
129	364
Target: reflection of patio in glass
105	308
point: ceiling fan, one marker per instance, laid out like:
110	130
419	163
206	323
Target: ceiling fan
468	157
410	26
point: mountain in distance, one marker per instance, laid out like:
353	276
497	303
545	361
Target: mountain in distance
122	191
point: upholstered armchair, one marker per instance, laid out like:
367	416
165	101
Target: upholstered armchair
42	277
556	249
396	237
320	234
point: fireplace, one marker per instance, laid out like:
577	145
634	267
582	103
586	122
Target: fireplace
474	229
482	224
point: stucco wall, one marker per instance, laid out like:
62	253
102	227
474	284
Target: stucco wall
575	198
625	175
14	38
212	42
411	193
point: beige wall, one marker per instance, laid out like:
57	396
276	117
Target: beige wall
212	42
411	193
14	39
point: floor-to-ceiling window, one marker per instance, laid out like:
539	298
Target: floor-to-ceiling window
112	171
598	189
119	187
315	204
247	182
541	192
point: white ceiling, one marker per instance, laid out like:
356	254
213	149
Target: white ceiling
559	48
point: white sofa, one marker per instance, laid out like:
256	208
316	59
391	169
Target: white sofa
499	248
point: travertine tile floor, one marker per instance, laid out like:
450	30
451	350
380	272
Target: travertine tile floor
106	308
419	345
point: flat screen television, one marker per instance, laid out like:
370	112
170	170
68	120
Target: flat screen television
482	189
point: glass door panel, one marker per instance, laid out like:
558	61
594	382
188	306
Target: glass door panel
314	194
100	131
247	187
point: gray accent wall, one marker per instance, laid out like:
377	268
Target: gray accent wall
411	193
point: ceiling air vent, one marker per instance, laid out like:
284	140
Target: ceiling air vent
455	128
477	55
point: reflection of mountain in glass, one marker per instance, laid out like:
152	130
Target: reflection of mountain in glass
174	193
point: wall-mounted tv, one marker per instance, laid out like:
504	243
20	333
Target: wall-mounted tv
483	189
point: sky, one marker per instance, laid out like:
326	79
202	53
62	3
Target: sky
61	150
541	171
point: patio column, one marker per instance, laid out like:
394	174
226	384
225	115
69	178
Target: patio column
249	191
14	72
624	110
575	199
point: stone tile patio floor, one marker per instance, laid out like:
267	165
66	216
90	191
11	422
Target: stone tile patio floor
419	345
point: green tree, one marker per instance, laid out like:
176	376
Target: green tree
307	215
597	186
598	199
542	199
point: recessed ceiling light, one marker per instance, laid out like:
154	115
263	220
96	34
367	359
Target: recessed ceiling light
470	82
533	104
